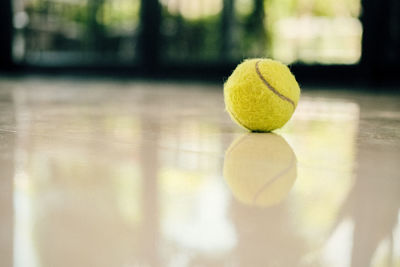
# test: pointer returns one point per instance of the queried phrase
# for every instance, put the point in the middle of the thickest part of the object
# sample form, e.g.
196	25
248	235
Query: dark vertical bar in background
380	51
259	22
373	20
95	28
255	28
149	35
227	20
6	35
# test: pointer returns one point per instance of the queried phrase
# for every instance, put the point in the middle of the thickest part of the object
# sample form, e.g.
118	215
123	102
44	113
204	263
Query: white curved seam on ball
285	98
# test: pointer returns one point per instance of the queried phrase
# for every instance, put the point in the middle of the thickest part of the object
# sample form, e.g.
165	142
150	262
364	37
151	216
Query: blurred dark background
353	42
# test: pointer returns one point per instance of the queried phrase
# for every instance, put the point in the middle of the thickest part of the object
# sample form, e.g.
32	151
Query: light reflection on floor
149	174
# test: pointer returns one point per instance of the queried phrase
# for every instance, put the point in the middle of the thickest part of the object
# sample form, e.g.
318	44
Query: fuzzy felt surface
261	94
260	169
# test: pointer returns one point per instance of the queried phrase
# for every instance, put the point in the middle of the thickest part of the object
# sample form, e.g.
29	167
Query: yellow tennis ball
261	94
260	169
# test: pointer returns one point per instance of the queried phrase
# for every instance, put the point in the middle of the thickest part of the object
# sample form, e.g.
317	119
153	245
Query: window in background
60	32
190	30
314	31
309	31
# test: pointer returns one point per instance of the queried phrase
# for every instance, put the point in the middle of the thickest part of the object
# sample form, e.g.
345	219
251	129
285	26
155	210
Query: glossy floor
131	174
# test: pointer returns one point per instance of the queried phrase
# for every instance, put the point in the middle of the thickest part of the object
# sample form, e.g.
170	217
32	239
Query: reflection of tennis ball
260	169
261	94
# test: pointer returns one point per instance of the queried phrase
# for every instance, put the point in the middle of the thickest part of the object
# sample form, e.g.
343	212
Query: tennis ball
260	169
261	94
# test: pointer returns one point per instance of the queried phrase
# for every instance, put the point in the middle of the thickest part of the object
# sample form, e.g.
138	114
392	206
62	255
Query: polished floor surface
139	174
